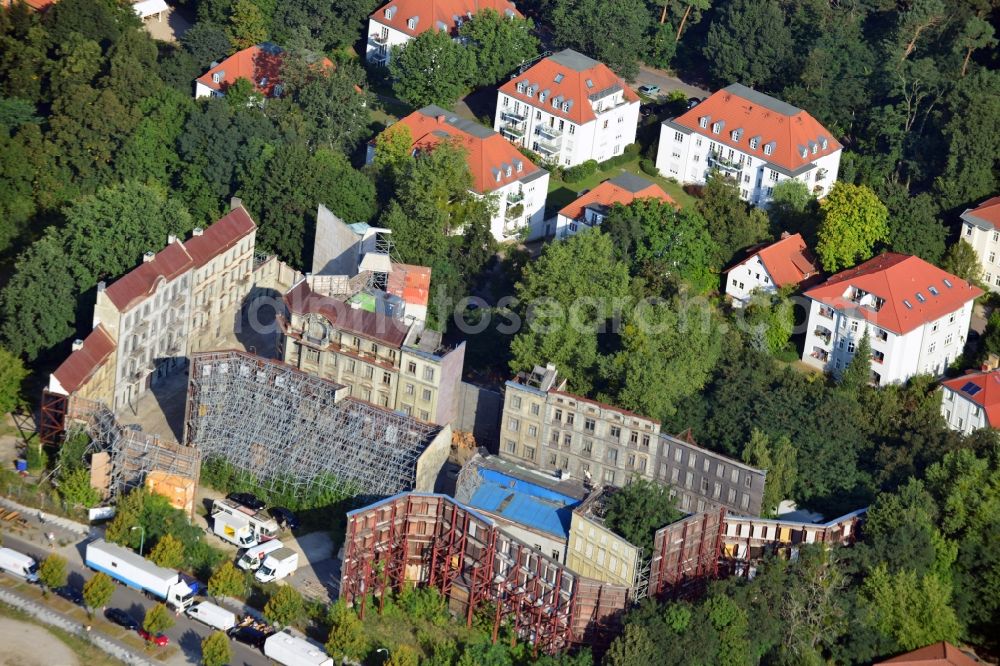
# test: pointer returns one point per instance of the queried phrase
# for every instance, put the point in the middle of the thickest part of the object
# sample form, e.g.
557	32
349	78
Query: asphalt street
186	633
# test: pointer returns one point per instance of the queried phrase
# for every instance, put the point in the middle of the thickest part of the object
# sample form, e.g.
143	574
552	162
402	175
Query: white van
212	615
254	557
282	562
19	564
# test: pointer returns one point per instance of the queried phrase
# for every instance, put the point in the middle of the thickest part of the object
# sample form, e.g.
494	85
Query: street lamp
142	536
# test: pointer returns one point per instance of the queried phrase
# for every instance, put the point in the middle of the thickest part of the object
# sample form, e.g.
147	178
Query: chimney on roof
784	235
77	344
442	118
992	361
235	203
101	286
171	239
197	231
148	256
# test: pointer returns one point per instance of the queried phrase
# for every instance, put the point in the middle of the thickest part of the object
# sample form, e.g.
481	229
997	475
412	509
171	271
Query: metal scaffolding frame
294	431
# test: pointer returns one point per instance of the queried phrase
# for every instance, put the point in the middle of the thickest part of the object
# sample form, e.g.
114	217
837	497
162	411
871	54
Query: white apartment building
981	230
568	108
753	138
396	23
972	401
590	209
767	269
498	168
917	317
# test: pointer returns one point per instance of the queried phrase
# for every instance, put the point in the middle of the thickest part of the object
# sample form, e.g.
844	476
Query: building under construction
433	540
295	432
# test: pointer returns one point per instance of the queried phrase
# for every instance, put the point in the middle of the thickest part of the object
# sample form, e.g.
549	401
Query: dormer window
565	106
508	172
520	87
703	121
716	128
823	143
769	148
814	148
519	166
753	142
736	134
390	12
499	175
804	153
559	77
530	92
541	96
590	83
411	23
216	77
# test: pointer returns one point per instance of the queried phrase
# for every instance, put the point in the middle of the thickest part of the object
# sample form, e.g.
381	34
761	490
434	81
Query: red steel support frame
52	422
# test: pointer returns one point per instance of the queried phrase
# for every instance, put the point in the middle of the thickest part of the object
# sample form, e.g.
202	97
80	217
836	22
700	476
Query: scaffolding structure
296	432
686	555
433	540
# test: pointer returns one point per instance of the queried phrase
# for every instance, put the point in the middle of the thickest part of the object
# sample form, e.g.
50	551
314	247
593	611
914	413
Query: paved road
186	633
658	77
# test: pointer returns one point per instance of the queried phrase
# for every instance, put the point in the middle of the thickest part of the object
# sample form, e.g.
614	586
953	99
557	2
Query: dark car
284	517
249	636
246	499
121	618
158	639
693	102
70	593
645	110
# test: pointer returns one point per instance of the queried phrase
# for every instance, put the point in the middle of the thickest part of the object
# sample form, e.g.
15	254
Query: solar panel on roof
971	388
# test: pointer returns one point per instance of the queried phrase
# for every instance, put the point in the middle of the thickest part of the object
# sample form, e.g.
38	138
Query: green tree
168	552
612	32
769	320
347	637
216	650
431	69
792	208
403	655
97	591
914	227
128	514
52	572
227	581
734	224
962	260
75	488
284	607
779	461
749	41
247	24
639	509
157	620
857	375
207	42
499	44
852	221
912	611
12	373
331	100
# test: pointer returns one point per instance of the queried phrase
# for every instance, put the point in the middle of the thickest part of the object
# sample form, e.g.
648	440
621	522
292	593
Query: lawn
562	193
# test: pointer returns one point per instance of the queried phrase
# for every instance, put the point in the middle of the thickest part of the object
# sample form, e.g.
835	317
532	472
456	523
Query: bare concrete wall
432	460
335	248
479	411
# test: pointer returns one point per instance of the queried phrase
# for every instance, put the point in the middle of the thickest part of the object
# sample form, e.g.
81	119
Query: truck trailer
288	650
282	562
262	526
136	572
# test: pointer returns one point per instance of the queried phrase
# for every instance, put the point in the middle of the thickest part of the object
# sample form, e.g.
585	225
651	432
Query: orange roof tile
226	232
623	189
260	64
788	260
937	654
789	130
981	388
489	154
411	283
37	5
985	215
81	364
438	14
568	77
301	299
914	291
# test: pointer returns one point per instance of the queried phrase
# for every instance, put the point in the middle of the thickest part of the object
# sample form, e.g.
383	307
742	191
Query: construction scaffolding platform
295	432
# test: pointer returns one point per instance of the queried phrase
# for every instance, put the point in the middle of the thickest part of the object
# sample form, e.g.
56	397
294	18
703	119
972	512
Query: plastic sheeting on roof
147	8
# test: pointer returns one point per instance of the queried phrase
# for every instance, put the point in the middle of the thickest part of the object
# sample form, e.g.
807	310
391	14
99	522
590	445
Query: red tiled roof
223	234
988	212
488	152
938	654
898	279
788	261
432	13
37	5
565	75
986	394
764	118
411	283
610	193
603	405
140	282
260	64
302	300
81	365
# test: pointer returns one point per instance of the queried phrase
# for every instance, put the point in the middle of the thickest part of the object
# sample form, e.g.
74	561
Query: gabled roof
302	300
226	232
409	282
142	281
568	77
436	13
980	388
788	261
914	292
938	654
986	215
260	64
753	115
489	154
81	364
622	189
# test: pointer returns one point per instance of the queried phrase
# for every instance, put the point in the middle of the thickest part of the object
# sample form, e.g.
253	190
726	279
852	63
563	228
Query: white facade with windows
981	230
381	39
960	412
748	278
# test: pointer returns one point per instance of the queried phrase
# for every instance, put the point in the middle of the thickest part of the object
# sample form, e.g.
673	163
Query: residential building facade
259	64
597	552
971	401
396	23
981	230
752	138
590	209
549	429
916	315
498	169
89	370
382	360
766	270
569	109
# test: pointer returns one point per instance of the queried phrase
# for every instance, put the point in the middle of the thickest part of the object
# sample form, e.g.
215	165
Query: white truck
137	572
212	615
282	562
254	557
288	650
240	525
19	564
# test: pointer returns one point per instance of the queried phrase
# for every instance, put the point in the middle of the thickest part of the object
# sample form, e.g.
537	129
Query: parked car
649	90
645	110
158	639
121	618
249	636
693	102
247	499
70	593
284	517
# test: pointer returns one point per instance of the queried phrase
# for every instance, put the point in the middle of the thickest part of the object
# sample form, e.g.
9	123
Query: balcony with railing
513	130
726	166
379	38
826	312
515	197
820	354
549	133
513	117
823	334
